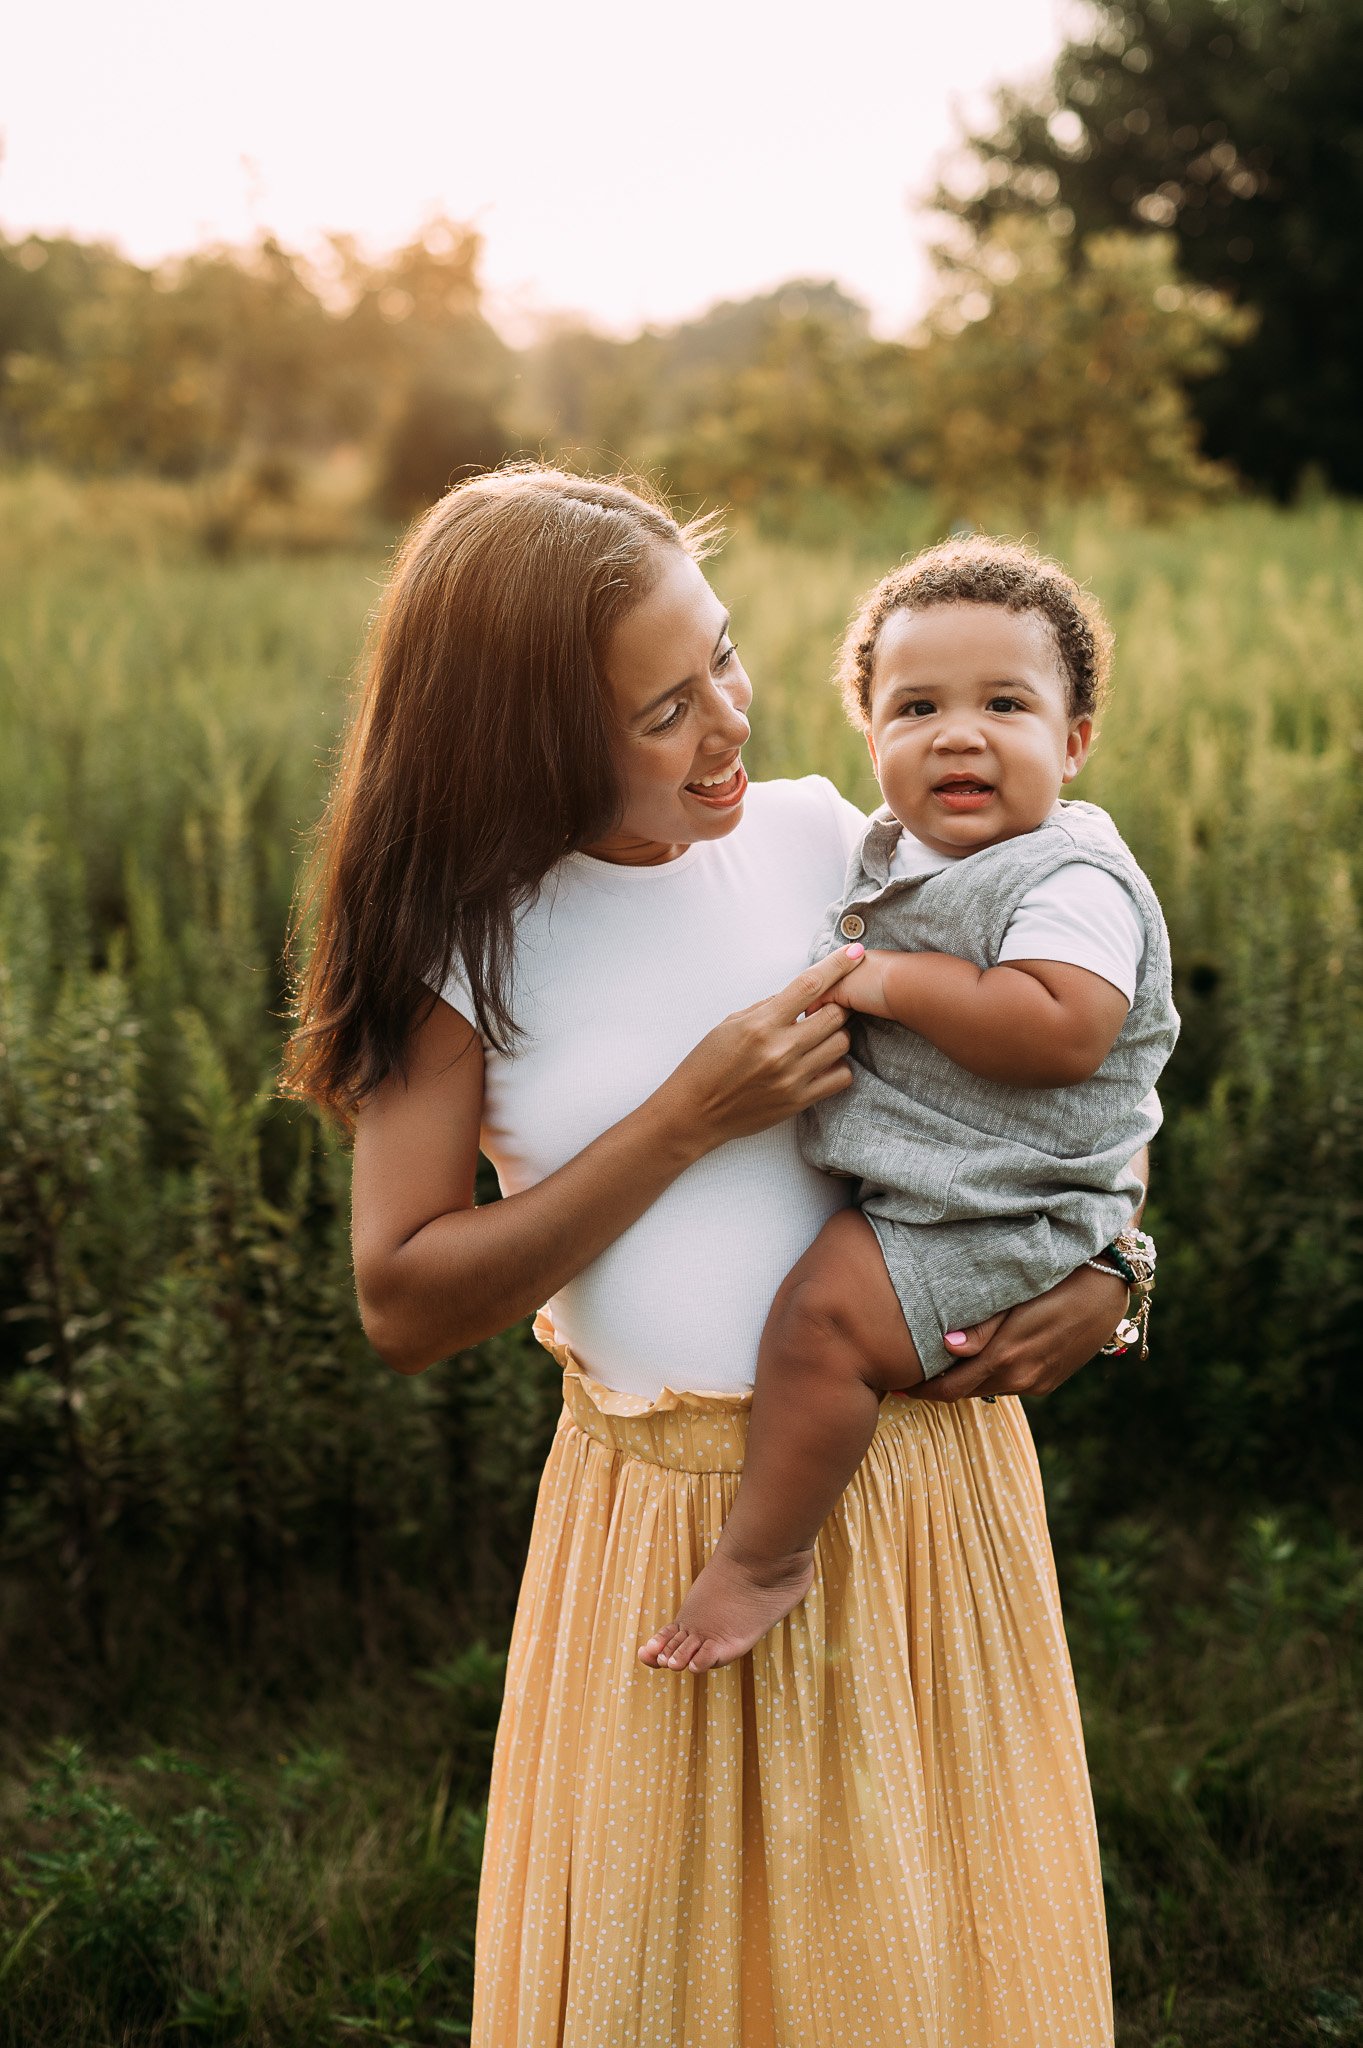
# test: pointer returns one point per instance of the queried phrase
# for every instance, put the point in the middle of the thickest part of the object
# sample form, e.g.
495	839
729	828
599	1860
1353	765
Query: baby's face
971	733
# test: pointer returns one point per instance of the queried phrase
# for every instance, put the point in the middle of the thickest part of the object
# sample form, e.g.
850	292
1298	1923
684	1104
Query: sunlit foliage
253	360
270	382
1235	127
1038	386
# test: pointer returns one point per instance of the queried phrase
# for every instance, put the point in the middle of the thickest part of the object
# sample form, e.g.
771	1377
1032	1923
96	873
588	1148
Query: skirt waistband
685	1430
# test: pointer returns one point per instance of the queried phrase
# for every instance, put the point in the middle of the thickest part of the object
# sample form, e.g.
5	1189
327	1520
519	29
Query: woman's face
680	694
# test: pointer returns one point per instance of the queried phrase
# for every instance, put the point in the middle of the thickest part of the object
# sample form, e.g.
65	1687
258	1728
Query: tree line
1146	287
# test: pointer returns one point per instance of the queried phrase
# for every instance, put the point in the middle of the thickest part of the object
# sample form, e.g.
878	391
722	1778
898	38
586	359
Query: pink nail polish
855	952
954	1337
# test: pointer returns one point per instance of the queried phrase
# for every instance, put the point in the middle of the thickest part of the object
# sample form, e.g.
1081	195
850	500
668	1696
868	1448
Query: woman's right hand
765	1063
437	1274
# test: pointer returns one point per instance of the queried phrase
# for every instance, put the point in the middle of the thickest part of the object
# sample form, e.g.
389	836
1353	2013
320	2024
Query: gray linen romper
982	1194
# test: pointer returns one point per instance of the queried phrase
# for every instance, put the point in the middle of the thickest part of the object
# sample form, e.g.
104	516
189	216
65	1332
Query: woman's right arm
435	1274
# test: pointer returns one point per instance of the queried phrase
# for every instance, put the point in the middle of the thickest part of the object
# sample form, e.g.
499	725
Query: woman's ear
1077	743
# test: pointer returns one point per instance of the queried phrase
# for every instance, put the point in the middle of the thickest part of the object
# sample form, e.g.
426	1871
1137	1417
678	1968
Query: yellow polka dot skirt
873	1832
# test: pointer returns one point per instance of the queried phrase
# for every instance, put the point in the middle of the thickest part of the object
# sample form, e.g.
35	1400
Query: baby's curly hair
980	570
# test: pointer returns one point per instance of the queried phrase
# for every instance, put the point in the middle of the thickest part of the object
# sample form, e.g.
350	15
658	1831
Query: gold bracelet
1132	1252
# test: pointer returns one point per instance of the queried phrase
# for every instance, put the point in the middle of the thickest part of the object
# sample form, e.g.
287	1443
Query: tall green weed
194	1431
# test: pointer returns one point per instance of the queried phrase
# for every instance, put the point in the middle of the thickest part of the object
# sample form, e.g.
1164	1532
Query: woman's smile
720	791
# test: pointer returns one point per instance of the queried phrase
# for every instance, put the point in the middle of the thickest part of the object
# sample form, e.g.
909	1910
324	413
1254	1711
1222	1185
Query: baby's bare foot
729	1607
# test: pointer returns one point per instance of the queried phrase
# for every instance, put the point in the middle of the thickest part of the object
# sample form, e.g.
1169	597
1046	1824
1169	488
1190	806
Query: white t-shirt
619	972
1080	916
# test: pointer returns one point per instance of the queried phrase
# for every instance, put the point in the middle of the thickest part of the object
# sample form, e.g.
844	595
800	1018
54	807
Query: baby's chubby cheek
901	787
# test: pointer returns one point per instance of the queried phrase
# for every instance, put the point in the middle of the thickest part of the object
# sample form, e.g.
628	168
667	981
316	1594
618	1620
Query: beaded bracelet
1132	1253
1132	1260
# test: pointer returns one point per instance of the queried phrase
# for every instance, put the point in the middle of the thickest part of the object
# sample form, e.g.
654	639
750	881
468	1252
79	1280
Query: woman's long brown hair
480	754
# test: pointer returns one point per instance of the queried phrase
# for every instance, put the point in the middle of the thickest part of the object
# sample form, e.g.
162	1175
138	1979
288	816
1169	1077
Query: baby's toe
655	1650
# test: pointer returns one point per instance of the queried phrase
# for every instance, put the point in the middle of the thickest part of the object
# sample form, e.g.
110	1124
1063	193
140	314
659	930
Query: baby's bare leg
835	1342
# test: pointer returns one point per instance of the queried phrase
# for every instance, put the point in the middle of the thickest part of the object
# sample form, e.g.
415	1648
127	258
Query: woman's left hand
1039	1343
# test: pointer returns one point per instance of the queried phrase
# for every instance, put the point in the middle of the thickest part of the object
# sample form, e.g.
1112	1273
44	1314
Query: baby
1013	1013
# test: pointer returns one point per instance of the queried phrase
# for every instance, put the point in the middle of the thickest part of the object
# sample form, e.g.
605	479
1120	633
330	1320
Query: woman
877	1828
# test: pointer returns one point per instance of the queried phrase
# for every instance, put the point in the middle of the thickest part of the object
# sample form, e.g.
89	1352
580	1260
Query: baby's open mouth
963	792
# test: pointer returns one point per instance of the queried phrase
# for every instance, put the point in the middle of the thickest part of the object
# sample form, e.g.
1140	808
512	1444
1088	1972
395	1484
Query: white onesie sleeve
1080	916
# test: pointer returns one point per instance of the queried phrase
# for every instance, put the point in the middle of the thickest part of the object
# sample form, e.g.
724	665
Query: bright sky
623	159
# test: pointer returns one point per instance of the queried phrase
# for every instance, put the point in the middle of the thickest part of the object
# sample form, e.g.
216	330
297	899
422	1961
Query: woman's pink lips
724	795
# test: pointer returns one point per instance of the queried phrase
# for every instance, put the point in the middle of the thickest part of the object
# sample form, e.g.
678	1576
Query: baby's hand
864	988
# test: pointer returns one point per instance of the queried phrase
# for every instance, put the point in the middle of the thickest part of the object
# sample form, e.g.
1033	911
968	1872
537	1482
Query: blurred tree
40	280
591	393
1027	386
821	407
1036	386
764	398
250	359
734	334
177	371
415	337
1237	127
440	433
641	398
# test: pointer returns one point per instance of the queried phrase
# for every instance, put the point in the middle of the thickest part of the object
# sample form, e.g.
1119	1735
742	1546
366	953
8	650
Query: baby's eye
1005	704
918	707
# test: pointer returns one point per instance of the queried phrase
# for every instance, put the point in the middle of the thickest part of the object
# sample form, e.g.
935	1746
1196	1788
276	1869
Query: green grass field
247	1573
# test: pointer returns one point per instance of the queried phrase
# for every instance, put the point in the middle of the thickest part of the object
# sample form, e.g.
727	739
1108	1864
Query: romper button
852	926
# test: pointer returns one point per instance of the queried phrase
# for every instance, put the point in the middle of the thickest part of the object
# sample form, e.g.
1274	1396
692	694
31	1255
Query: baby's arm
1033	1023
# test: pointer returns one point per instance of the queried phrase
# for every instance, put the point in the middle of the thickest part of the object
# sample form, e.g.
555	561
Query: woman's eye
725	656
672	718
